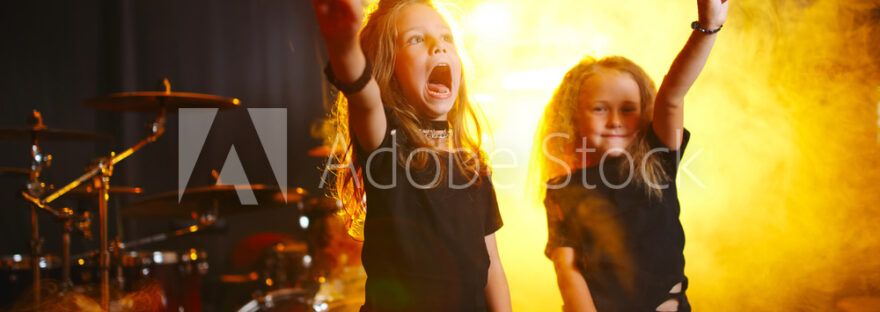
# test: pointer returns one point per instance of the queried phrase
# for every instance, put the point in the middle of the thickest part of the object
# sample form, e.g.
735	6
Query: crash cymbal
203	199
43	133
147	101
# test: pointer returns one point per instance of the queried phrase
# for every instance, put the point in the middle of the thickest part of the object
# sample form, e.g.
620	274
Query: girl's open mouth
440	82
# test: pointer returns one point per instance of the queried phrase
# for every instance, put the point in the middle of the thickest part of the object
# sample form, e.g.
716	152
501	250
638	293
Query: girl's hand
339	21
713	13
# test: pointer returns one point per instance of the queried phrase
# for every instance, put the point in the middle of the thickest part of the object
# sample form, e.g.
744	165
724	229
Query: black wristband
353	87
696	26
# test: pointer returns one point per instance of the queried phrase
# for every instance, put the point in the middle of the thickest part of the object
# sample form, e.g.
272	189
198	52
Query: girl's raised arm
669	105
340	21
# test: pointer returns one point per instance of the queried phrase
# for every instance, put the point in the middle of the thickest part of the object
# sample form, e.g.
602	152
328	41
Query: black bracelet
353	87
696	26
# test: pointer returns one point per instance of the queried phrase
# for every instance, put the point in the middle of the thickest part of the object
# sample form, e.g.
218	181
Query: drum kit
292	274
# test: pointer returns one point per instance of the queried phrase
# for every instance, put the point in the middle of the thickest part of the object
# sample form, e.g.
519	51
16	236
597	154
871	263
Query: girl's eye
447	38
598	109
415	40
629	109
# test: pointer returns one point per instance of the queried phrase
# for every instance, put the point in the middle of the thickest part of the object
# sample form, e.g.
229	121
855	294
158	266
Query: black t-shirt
628	245
424	247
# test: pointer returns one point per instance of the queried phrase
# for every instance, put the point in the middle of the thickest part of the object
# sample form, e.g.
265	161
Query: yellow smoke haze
780	198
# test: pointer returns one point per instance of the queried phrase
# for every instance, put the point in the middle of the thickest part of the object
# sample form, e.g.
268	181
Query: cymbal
325	204
89	192
324	151
147	101
202	199
14	172
41	132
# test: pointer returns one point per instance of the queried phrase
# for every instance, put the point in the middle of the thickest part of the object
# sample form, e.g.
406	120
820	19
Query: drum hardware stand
69	219
81	223
101	174
36	188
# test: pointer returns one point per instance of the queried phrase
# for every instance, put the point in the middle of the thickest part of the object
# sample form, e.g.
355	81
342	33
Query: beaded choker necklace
437	129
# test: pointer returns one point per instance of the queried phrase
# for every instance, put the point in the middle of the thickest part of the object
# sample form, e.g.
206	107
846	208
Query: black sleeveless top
628	246
424	247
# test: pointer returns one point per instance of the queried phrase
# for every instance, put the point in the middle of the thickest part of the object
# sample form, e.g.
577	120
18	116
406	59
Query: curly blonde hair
555	157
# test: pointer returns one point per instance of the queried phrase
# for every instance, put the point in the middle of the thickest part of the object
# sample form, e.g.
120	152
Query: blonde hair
561	117
377	39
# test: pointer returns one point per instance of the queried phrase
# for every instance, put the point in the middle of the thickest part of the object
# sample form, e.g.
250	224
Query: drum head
282	300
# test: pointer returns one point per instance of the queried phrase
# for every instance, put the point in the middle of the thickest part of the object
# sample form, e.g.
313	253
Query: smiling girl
417	189
608	149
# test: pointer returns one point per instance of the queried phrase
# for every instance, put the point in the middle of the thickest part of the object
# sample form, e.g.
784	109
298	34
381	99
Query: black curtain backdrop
267	53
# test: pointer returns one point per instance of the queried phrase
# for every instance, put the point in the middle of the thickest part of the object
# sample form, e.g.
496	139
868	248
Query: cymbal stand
36	188
101	175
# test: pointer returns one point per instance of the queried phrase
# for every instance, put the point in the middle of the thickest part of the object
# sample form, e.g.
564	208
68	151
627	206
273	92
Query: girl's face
609	110
427	67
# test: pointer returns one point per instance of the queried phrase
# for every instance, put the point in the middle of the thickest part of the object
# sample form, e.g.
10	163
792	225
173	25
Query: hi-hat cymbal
147	101
41	133
196	201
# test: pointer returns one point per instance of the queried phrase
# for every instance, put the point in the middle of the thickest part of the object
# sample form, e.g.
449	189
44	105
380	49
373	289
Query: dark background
267	53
